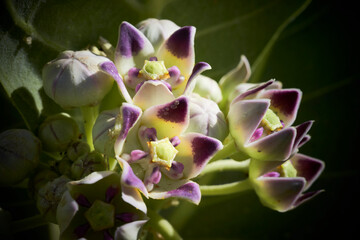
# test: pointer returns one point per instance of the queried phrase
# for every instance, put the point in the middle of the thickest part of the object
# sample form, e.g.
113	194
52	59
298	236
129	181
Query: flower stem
162	226
27	223
228	150
226	165
223	189
89	116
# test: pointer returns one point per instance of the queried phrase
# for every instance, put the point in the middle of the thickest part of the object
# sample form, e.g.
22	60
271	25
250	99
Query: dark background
318	53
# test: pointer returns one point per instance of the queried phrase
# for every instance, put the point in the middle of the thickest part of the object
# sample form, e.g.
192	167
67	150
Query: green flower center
100	215
271	122
287	169
162	152
154	70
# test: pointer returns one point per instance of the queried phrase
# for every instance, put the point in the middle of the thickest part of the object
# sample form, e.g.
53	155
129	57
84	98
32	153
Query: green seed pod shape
57	132
19	155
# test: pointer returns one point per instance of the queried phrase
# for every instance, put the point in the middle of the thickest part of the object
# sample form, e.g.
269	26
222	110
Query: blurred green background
311	45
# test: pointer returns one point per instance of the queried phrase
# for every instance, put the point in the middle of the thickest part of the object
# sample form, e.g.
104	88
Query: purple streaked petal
175	141
244	118
130	230
83	201
110	69
107	235
151	93
137	155
169	119
198	69
81	230
274	147
129	179
259	168
306	197
175	172
111	192
127	217
195	151
279	193
130	114
272	174
175	76
189	191
132	78
307	167
304	140
132	48
301	131
285	103
178	50
253	91
257	134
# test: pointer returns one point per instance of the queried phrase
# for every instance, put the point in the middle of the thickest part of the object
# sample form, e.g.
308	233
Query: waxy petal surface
129	231
169	119
178	50
132	48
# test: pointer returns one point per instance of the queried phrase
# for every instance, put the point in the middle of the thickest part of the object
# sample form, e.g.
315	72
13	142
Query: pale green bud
208	88
93	162
77	150
57	132
75	79
19	155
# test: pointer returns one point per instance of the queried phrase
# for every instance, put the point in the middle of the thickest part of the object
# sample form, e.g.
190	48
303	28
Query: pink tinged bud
74	79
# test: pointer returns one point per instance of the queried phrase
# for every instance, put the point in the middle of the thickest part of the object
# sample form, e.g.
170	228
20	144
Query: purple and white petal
259	168
279	193
66	211
175	77
151	93
306	197
307	167
129	231
244	118
277	146
132	78
110	69
255	90
175	172
178	50
152	176
197	70
132	48
195	151
285	103
169	119
301	131
130	114
188	190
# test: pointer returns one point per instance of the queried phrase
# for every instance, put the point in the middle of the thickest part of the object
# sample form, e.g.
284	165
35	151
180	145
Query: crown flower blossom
282	186
261	118
94	208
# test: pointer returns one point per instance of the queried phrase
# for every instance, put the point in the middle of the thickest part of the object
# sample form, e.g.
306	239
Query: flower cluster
100	173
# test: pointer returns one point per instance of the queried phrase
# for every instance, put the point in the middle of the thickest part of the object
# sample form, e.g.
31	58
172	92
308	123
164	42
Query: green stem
228	150
27	223
226	165
89	116
162	226
223	189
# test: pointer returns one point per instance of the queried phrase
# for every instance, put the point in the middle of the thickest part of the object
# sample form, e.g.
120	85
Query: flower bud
57	132
77	150
105	132
40	179
157	31
19	155
74	79
91	163
208	88
49	197
206	118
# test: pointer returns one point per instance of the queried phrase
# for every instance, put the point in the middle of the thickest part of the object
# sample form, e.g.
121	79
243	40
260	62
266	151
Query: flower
156	154
281	186
261	118
74	79
99	207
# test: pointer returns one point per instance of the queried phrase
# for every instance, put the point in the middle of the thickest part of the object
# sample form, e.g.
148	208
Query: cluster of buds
172	121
